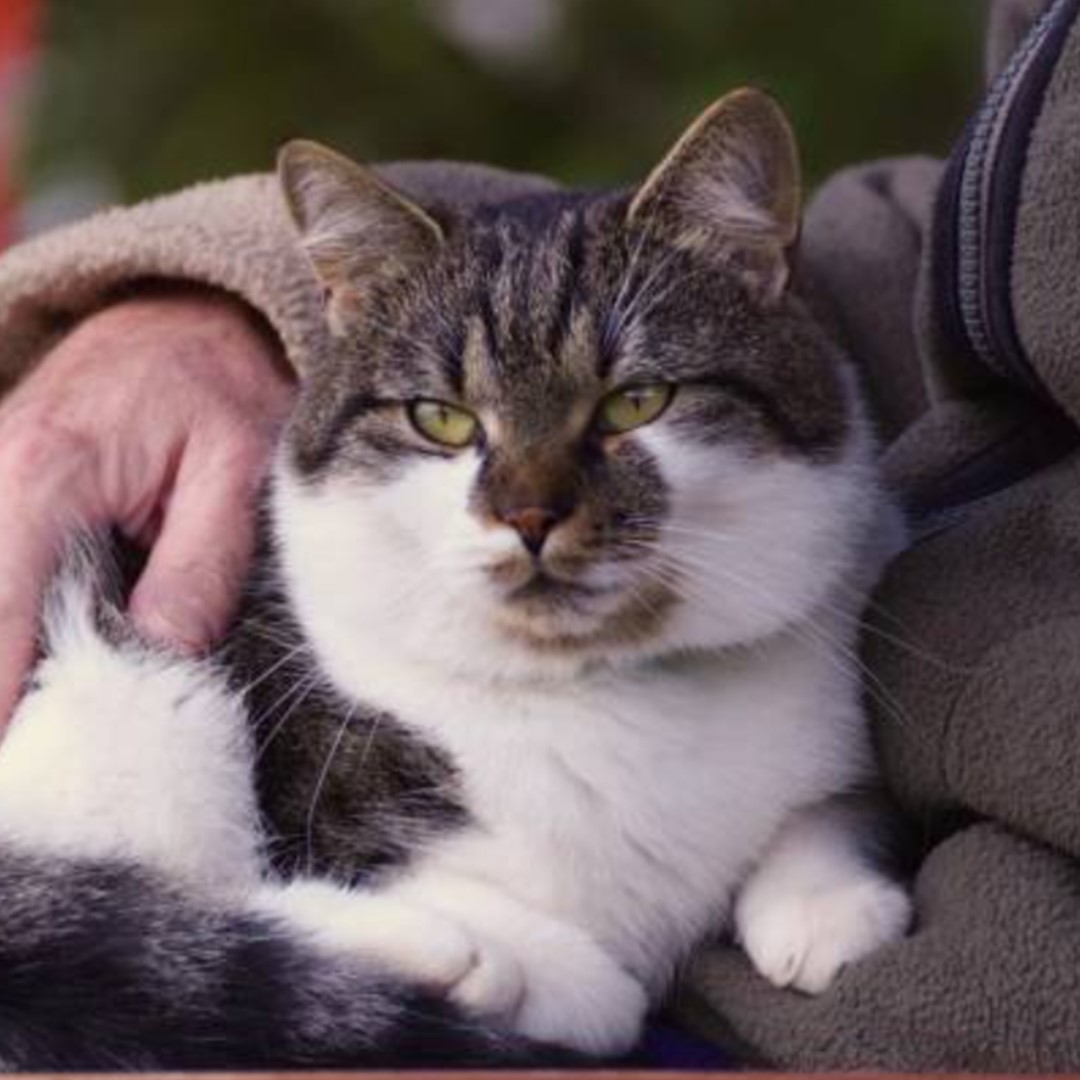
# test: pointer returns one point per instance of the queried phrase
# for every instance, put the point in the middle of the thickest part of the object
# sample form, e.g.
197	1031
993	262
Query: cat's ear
355	228
731	185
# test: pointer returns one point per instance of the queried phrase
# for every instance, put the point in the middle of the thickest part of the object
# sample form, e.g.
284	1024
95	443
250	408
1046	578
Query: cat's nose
533	525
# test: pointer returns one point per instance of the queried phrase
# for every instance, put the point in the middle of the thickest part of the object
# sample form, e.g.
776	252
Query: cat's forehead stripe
533	282
567	289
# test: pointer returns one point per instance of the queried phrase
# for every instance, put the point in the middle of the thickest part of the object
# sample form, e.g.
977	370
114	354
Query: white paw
577	996
496	958
801	939
494	985
422	947
571	991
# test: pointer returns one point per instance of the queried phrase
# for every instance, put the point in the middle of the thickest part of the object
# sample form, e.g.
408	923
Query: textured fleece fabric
974	635
1046	298
860	253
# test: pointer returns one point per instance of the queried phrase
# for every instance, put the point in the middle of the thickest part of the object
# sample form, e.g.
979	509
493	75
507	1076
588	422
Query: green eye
442	423
633	407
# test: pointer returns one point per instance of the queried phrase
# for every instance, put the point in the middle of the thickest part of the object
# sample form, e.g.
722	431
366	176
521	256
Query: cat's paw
421	947
802	938
579	997
573	992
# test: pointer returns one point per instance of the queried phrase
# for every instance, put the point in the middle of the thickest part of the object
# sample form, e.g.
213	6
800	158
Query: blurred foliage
160	93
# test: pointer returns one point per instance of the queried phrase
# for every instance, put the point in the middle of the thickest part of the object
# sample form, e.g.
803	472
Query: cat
544	676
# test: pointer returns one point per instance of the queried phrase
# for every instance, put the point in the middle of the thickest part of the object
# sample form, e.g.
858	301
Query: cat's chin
551	617
547	599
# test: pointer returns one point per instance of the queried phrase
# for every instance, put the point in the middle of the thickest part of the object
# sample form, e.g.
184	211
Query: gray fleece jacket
975	650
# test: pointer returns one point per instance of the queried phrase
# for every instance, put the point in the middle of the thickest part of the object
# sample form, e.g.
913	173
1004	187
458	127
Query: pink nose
533	525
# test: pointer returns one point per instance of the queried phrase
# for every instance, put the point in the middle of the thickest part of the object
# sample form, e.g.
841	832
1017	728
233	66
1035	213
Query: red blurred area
19	25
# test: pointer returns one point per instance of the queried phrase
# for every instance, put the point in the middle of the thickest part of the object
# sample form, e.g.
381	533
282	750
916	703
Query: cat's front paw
422	947
578	996
575	993
802	938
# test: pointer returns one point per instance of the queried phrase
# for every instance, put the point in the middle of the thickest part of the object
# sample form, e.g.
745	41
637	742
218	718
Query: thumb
191	586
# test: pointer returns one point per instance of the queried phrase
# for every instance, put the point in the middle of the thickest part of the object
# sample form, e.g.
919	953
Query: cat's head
569	428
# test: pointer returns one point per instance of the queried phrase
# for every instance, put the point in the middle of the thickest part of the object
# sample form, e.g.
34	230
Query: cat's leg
119	752
488	953
574	992
412	941
817	900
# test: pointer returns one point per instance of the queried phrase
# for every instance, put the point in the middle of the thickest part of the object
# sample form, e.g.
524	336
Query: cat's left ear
730	185
355	228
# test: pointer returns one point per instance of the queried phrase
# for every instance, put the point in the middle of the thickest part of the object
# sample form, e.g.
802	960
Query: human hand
157	416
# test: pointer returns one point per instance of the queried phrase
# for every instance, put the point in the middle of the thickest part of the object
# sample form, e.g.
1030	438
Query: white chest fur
631	803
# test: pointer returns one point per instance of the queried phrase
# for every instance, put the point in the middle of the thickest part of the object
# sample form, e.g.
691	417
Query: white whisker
320	783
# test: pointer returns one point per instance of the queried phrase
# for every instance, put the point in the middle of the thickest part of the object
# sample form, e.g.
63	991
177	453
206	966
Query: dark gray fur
323	821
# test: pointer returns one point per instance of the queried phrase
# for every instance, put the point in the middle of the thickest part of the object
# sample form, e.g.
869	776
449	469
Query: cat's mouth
547	590
544	601
547	608
558	615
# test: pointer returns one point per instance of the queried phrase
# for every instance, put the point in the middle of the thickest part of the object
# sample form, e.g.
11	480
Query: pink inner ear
353	226
732	180
729	190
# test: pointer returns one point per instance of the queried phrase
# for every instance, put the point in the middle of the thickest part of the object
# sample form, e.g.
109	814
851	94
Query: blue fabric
665	1047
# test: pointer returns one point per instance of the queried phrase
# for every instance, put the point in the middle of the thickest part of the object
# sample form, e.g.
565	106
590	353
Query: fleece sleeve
233	235
860	253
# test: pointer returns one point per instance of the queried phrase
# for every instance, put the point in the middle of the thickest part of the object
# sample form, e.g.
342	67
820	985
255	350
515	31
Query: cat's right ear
355	228
730	186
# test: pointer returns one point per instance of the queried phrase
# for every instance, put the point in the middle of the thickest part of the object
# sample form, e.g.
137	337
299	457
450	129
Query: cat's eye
442	423
633	407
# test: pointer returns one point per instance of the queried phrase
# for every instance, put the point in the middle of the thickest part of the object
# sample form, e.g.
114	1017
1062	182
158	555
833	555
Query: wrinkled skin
157	416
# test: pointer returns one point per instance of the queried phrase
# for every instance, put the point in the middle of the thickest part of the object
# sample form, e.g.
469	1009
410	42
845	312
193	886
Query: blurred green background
136	98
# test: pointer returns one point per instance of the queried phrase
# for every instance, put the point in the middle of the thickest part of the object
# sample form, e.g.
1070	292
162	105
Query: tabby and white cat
546	674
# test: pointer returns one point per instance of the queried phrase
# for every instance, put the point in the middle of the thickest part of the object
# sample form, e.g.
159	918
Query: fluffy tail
106	967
